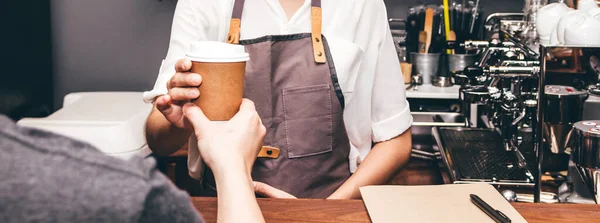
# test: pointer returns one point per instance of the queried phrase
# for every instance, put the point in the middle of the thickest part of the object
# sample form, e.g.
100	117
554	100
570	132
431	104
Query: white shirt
360	42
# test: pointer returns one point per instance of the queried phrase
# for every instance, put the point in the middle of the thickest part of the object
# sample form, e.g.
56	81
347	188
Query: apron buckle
269	152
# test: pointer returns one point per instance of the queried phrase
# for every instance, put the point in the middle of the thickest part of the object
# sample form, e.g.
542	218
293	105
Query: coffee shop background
51	48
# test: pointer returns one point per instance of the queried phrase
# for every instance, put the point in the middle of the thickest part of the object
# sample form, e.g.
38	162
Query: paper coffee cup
222	67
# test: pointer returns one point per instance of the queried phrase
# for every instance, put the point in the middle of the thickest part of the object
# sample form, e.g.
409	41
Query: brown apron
293	83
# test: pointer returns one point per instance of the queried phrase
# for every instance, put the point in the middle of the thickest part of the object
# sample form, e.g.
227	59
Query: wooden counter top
302	210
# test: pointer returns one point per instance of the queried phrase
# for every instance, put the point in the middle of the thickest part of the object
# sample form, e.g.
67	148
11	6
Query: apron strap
236	21
316	27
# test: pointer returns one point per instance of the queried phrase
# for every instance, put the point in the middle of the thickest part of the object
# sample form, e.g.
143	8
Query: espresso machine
498	102
527	102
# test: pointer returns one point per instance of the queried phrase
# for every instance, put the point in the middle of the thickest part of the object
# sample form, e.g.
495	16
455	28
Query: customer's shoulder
38	144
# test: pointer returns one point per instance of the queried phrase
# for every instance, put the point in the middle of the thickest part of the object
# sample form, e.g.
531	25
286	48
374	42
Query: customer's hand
231	144
183	87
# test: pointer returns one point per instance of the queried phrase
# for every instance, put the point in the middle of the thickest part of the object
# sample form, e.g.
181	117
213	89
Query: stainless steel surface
509	195
513	70
471	98
494	22
504	172
586	143
504	16
526	49
417	79
537	133
426	65
437	119
546	197
564	107
520	63
414	84
443	82
591	108
399	34
556	135
475	94
575	190
422	134
458	62
591	177
560	64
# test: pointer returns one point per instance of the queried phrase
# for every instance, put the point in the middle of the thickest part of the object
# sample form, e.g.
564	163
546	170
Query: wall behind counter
108	45
116	45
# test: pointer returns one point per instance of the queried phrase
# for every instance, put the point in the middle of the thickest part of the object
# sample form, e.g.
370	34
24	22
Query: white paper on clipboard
437	203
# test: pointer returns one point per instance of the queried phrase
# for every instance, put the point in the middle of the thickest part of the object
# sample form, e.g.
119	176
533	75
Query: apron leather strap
316	27
236	21
317	20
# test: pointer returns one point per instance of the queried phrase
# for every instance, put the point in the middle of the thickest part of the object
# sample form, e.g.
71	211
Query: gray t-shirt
45	177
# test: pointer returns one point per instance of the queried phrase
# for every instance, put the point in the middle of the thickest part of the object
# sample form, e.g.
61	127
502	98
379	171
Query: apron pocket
308	120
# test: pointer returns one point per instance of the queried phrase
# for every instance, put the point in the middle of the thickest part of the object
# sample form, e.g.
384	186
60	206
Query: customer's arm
236	199
230	149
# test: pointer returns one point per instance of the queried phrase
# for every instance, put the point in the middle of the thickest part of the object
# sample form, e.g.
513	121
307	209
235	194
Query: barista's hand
271	192
230	145
183	87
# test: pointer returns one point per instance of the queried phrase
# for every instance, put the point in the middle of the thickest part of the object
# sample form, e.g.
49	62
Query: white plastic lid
212	51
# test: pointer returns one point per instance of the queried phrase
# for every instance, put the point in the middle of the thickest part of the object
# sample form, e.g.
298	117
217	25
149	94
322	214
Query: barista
333	106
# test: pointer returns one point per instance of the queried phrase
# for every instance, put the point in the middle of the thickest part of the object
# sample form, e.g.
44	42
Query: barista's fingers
186	79
184	94
163	103
196	117
271	192
165	106
183	65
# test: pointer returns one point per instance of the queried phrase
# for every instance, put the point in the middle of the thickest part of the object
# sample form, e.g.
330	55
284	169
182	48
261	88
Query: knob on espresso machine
472	72
468	76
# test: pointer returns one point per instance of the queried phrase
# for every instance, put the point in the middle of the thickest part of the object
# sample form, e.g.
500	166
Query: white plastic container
113	122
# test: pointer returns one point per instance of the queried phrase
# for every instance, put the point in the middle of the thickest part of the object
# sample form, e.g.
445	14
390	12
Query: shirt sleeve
390	109
166	203
185	29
